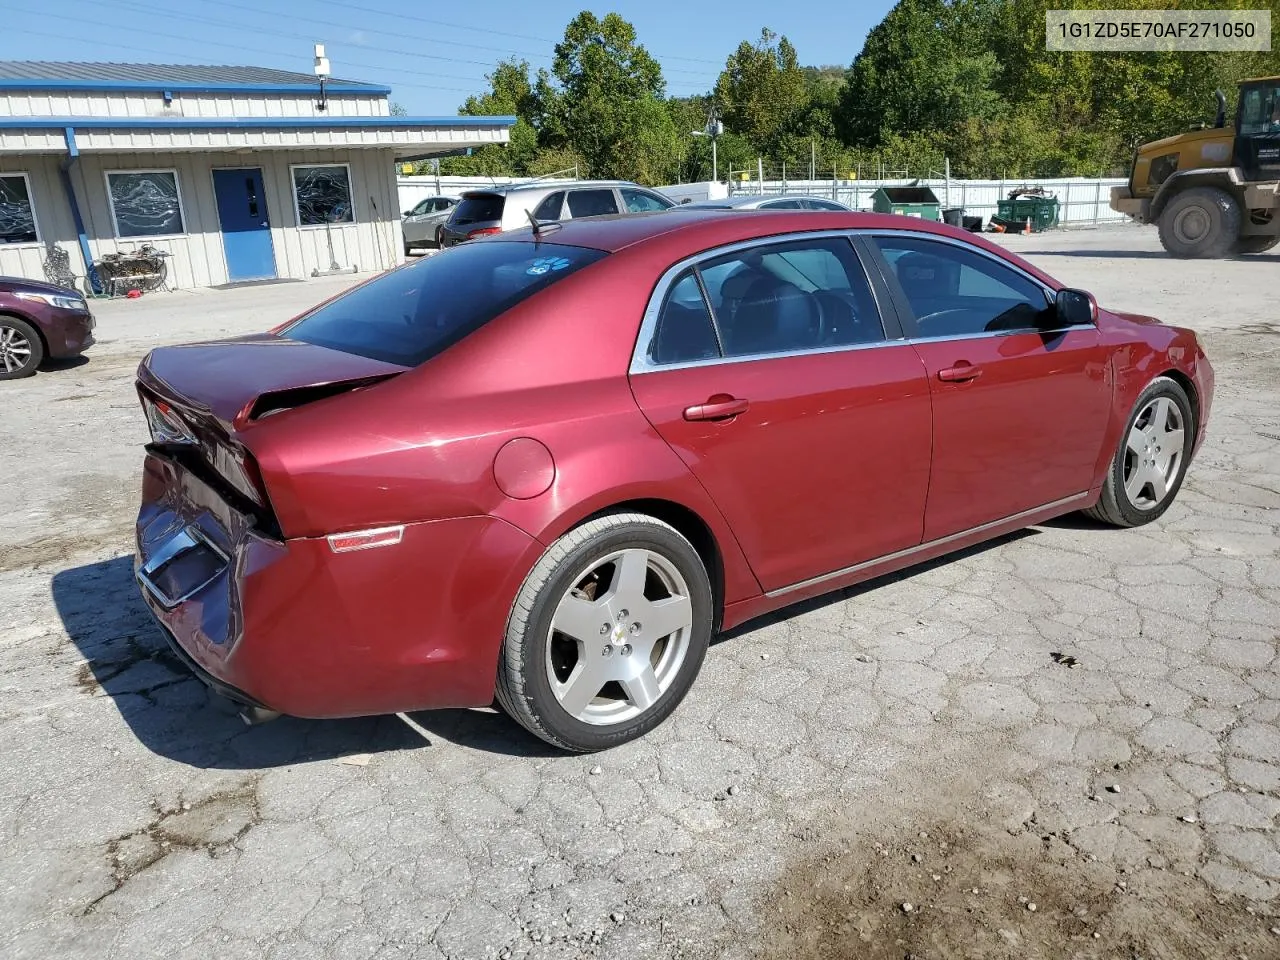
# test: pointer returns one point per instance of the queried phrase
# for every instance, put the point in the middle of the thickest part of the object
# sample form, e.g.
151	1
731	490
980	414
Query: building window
17	215
146	203
322	195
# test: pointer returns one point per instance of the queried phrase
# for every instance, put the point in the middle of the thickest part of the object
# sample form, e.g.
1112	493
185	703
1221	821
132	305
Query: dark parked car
386	505
40	321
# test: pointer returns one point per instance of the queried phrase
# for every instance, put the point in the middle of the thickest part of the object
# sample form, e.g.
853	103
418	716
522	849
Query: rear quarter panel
422	446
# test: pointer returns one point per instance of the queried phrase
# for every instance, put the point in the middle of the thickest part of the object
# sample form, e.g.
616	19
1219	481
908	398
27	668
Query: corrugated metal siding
372	243
53	217
56	103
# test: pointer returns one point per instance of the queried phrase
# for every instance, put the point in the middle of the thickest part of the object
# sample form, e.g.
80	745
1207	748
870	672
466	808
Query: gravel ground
901	770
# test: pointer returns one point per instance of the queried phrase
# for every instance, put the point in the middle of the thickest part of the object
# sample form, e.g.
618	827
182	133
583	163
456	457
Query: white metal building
240	173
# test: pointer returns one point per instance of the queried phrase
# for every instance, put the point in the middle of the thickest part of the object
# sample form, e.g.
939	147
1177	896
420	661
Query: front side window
411	314
1260	110
17	215
958	292
592	203
781	205
323	195
146	203
641	201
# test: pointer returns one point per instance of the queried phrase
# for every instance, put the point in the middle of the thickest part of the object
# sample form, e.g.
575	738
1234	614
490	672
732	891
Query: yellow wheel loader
1213	192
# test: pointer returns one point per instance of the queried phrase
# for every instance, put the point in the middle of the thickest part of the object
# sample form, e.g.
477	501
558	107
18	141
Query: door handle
716	409
962	372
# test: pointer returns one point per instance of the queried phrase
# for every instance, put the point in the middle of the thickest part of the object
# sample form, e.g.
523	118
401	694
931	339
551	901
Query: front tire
1200	223
1151	460
607	634
21	349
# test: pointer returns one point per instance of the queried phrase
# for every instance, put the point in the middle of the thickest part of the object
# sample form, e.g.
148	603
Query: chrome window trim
640	362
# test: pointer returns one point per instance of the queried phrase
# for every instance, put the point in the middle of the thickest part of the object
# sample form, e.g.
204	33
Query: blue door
246	231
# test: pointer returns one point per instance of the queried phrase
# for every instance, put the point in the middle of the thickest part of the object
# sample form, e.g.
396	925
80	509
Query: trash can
908	202
1042	211
953	216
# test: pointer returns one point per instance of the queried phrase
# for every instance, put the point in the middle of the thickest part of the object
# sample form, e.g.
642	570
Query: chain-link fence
1082	201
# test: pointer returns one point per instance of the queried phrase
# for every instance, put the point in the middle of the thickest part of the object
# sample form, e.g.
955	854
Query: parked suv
483	212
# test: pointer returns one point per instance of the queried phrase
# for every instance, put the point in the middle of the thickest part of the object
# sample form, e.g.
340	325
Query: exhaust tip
252	716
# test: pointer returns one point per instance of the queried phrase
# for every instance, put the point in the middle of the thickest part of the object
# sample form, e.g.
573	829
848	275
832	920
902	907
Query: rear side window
685	331
549	209
484	206
592	203
411	314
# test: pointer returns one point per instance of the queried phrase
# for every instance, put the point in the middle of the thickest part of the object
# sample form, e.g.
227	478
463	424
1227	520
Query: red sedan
544	470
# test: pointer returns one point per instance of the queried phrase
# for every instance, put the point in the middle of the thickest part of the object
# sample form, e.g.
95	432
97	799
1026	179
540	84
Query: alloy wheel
15	349
1153	453
619	636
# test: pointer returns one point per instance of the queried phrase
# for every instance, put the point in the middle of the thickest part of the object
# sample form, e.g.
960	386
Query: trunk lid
235	382
202	401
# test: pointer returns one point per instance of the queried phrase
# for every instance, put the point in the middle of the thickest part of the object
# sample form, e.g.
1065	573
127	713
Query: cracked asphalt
1065	743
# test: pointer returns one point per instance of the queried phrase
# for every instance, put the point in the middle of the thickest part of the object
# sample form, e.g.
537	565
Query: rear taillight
483	232
240	470
166	425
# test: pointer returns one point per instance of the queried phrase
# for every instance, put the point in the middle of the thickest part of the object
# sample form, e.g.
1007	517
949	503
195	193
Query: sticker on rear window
546	265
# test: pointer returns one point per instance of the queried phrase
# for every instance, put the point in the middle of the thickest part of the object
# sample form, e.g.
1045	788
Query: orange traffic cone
1026	231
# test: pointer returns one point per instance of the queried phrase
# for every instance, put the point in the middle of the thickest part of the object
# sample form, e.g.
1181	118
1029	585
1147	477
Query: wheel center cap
618	634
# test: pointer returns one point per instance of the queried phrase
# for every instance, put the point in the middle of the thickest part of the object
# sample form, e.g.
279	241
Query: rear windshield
486	206
411	314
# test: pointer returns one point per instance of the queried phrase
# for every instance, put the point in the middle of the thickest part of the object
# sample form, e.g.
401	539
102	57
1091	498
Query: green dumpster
907	202
1016	211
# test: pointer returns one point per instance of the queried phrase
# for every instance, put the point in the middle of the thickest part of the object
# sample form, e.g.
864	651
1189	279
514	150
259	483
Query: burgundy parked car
545	471
40	321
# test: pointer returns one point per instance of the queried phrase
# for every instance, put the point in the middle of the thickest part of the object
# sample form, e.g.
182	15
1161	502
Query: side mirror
407	213
1075	308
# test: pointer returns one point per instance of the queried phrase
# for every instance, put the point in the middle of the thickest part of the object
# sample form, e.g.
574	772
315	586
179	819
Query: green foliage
761	89
968	81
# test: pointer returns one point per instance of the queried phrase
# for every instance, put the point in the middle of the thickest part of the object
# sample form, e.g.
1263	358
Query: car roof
548	185
688	230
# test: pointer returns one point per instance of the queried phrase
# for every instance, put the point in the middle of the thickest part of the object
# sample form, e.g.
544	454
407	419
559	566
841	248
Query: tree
607	104
510	94
762	89
923	69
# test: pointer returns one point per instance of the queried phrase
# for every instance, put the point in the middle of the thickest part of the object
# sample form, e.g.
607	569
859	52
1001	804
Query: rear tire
607	634
21	349
1151	458
1200	223
1247	245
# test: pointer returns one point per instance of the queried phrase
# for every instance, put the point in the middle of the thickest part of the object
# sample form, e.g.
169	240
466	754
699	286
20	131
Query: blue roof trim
245	123
335	87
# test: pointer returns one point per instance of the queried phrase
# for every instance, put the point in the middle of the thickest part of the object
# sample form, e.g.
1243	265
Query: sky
431	55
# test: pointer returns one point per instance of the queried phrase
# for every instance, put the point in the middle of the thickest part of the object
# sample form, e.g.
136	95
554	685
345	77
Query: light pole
713	129
715	170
